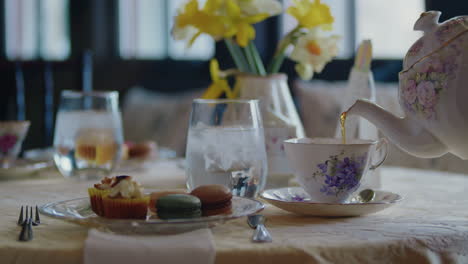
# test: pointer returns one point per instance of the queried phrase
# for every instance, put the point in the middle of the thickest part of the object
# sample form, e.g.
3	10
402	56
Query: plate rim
101	220
27	165
398	199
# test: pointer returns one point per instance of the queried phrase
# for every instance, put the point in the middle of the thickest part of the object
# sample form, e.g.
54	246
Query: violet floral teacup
329	171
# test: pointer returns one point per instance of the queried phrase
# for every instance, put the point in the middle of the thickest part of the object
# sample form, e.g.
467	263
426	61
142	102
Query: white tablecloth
429	226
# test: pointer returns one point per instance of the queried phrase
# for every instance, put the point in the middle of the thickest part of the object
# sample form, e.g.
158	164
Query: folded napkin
191	247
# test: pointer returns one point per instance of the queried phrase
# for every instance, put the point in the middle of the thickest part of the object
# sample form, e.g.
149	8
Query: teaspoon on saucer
364	196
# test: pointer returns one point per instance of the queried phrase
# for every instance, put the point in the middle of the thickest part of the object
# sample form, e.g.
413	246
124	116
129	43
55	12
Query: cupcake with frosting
121	198
97	193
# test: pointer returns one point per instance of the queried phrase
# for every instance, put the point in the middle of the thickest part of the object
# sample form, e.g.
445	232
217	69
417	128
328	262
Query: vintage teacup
12	134
330	171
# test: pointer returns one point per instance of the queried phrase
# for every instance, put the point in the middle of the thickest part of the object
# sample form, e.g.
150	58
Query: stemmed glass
88	134
226	146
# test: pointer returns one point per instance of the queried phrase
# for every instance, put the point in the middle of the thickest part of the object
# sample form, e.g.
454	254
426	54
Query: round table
429	226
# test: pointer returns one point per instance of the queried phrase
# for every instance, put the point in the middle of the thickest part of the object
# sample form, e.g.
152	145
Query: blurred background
50	45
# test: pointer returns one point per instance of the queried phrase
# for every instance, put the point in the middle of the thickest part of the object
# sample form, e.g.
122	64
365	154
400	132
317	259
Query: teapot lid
435	35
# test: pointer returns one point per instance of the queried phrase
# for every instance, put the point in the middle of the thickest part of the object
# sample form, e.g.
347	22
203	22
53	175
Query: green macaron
173	206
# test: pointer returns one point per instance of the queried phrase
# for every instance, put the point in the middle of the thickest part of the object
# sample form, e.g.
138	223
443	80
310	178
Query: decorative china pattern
79	211
436	35
417	47
274	138
423	85
330	171
432	92
431	62
12	134
449	28
7	142
296	200
340	173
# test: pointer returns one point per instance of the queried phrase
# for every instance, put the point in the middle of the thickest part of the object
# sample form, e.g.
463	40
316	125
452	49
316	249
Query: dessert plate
79	211
296	200
23	169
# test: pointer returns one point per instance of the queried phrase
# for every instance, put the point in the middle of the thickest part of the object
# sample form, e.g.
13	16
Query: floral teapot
433	92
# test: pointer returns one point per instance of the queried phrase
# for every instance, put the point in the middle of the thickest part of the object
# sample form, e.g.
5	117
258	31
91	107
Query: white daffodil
314	51
183	33
304	70
254	7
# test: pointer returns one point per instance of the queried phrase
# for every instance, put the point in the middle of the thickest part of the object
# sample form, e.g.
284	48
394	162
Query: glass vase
280	120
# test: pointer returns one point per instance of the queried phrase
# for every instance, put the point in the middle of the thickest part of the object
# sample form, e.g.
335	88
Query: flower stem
279	55
250	60
237	55
276	63
258	61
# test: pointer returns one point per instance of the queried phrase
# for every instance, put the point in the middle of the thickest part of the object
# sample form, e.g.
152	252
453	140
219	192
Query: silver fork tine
31	216
29	225
26	233
37	219
20	219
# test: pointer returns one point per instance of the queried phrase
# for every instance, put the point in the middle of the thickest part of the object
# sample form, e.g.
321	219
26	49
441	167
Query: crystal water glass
226	145
88	134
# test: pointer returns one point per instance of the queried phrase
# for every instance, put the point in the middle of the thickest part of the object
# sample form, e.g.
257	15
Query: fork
27	223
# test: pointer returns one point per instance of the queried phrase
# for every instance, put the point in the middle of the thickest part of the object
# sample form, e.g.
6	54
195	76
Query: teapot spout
408	135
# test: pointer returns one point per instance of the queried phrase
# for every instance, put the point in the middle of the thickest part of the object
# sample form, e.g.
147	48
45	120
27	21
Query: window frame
88	19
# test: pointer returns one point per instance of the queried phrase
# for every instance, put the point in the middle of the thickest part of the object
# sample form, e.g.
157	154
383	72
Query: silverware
26	222
261	234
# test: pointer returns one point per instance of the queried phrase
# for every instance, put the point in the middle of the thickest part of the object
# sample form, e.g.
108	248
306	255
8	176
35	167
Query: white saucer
296	200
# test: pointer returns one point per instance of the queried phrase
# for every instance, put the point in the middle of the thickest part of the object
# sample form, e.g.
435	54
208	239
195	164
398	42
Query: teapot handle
382	145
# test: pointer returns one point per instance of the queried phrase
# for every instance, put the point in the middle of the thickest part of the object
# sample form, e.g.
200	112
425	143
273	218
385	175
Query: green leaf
237	55
276	63
258	61
250	60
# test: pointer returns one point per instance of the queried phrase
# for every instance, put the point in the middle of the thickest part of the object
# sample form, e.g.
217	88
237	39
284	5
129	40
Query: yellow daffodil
213	6
313	52
191	21
223	19
233	20
219	85
240	25
311	14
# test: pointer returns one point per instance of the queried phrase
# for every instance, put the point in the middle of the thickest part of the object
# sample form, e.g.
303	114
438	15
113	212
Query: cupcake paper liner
95	196
122	208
